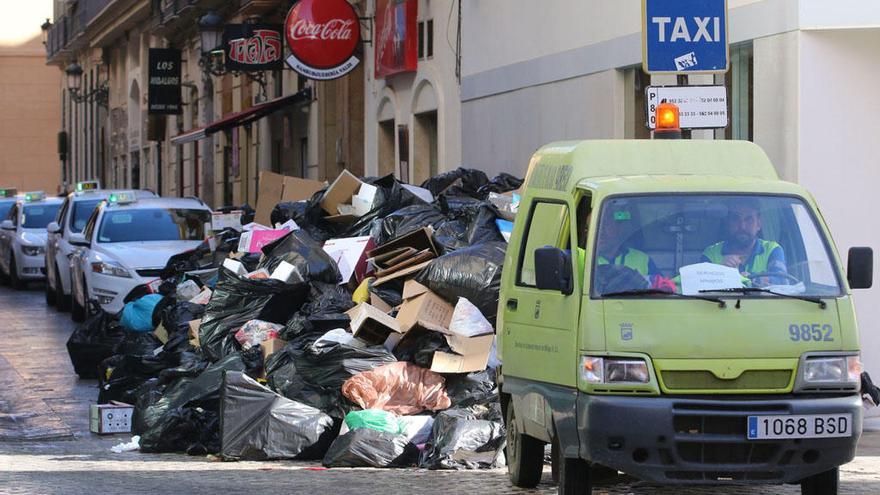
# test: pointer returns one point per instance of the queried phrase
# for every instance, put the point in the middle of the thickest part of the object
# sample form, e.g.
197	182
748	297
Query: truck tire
824	483
525	455
573	474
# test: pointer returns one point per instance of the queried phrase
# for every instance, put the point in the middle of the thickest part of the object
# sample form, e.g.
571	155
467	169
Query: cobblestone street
46	448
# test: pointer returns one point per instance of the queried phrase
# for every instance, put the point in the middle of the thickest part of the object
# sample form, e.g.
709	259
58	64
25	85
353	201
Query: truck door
540	326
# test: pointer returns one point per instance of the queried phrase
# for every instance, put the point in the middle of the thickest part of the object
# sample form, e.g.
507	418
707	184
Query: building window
426	39
739	81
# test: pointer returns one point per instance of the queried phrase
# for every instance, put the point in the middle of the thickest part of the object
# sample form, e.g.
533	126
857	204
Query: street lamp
45	28
74	83
210	31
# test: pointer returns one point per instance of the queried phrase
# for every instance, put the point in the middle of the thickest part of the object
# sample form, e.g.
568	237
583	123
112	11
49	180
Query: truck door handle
512	304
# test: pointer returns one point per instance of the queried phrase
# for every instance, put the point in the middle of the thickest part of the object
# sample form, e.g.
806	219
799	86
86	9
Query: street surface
46	447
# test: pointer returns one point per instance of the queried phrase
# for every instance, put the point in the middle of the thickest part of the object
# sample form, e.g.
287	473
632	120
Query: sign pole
682	80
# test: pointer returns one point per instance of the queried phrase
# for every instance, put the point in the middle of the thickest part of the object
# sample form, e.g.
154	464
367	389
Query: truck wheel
525	455
50	291
821	484
573	473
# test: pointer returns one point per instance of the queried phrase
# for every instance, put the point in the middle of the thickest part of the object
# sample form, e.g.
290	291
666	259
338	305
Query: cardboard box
380	304
114	417
339	193
373	326
350	255
406	272
287	273
253	241
235	267
275	188
418	240
471	354
194	332
271	346
423	308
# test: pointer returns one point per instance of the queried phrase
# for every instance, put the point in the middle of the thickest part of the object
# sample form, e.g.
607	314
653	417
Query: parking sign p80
684	36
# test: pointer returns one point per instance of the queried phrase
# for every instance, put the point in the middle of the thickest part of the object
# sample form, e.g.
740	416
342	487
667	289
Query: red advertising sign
250	48
396	37
323	36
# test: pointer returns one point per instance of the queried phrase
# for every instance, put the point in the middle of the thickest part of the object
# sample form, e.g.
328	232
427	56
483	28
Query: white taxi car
23	238
126	243
71	220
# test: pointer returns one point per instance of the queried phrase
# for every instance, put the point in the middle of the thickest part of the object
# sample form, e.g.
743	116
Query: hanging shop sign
163	90
323	36
397	43
253	47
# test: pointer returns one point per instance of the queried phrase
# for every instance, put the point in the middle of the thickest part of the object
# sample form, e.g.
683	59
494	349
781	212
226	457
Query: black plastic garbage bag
258	424
176	317
472	389
305	254
236	301
93	342
473	273
366	447
324	311
500	184
409	219
390	197
461	440
199	258
469	222
313	372
420	349
471	180
172	423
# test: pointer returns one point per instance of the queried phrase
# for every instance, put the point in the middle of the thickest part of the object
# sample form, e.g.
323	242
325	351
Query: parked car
23	238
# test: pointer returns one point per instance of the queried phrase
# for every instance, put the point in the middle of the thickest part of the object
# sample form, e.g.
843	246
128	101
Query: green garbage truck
672	310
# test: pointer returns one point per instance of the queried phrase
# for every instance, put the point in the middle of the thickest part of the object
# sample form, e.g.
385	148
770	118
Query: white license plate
807	426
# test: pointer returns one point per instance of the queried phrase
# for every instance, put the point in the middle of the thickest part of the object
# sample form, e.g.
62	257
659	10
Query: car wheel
62	302
14	280
824	483
77	311
50	290
525	454
573	473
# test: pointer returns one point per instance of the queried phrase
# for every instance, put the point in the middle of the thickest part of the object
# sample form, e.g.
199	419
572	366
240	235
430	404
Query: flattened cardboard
419	240
380	304
372	325
194	332
271	346
269	195
412	289
473	354
296	189
340	193
419	257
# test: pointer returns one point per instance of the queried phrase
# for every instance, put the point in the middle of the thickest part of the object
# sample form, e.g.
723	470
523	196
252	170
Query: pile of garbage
355	326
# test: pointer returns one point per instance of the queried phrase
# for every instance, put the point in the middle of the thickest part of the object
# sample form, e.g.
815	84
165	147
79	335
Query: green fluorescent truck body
709	368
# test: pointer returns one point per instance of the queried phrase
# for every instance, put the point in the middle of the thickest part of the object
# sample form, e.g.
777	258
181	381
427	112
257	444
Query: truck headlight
33	250
110	268
833	369
614	370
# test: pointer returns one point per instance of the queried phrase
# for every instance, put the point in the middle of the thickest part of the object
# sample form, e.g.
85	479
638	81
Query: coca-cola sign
323	36
253	47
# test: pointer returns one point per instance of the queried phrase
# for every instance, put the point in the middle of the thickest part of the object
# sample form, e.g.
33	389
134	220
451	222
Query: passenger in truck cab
744	250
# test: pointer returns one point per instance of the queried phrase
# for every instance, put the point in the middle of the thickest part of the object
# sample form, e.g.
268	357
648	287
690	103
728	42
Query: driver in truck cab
744	250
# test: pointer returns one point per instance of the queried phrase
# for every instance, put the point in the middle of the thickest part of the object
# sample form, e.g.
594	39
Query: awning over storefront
244	117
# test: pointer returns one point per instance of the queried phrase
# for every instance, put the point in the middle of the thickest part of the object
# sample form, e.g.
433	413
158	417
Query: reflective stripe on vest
758	264
633	258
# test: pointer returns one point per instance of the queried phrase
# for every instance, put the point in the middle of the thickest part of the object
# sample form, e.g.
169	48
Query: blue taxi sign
684	36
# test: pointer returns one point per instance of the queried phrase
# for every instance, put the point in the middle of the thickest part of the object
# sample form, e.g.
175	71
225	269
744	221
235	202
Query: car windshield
82	210
154	224
38	216
697	244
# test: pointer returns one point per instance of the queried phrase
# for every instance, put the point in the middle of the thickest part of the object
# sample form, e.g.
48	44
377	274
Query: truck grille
705	380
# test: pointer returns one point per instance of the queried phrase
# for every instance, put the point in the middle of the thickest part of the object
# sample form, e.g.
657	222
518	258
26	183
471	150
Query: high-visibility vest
759	264
632	258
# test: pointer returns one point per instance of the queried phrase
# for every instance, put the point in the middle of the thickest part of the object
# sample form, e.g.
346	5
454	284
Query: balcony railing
67	27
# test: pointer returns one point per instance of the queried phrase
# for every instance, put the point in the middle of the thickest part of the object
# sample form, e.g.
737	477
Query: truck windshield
700	243
159	224
39	216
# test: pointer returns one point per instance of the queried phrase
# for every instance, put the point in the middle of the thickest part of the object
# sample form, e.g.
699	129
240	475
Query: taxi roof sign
9	192
89	185
122	198
34	196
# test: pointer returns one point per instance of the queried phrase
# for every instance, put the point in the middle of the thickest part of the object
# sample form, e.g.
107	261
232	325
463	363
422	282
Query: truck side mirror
860	267
553	270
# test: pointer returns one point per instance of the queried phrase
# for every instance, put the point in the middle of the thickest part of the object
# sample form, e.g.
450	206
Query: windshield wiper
643	292
750	290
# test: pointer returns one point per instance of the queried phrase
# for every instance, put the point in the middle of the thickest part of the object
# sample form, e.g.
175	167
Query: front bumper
111	291
697	441
31	267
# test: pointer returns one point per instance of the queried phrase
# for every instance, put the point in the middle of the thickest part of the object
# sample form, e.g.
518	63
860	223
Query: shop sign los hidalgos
323	36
